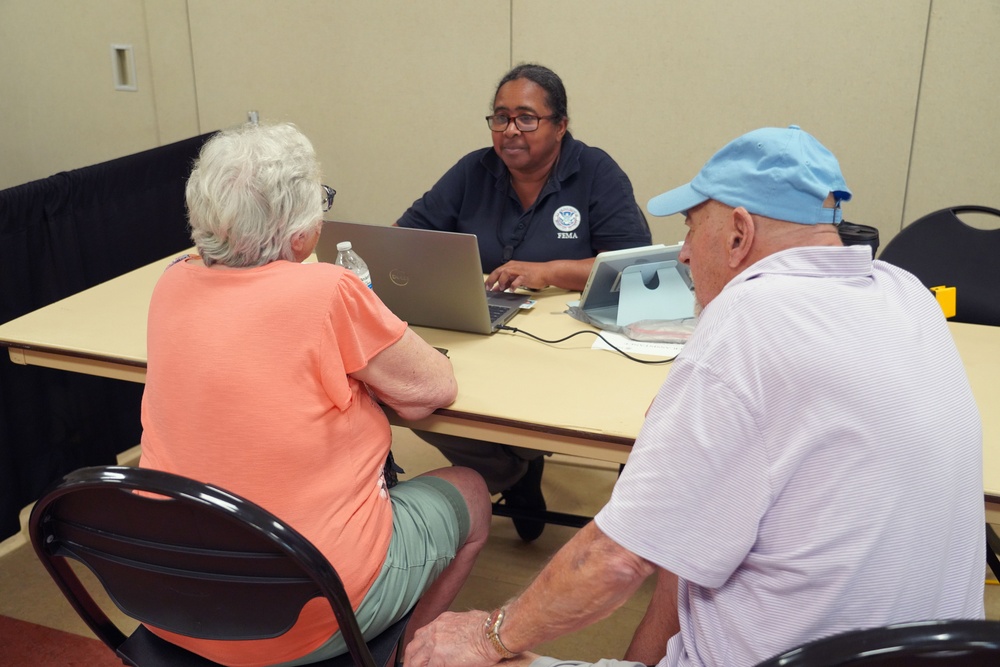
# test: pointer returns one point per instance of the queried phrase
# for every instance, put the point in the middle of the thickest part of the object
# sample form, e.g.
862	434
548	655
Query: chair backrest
956	643
162	557
940	249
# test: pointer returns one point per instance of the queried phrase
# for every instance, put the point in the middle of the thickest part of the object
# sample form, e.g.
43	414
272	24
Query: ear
563	124
740	238
299	242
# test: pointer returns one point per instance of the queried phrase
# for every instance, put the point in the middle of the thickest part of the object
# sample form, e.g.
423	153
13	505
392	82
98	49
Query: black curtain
58	236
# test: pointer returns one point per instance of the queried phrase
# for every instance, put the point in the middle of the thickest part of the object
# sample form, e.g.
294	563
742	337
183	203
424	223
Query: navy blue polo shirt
586	207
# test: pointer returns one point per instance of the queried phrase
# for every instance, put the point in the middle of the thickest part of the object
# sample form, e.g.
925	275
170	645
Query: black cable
587	331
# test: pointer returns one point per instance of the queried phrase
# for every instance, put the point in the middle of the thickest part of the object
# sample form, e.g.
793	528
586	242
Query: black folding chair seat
957	643
192	559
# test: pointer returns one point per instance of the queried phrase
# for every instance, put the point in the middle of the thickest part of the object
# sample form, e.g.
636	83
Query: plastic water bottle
347	258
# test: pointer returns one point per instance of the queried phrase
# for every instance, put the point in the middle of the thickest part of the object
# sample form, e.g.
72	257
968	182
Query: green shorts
430	521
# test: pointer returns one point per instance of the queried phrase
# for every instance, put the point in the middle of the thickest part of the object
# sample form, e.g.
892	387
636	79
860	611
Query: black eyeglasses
328	195
526	122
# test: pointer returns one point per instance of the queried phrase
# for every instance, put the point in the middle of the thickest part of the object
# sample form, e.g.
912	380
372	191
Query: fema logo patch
566	219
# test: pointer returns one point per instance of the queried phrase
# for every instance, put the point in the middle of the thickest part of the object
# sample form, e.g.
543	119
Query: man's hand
452	640
586	580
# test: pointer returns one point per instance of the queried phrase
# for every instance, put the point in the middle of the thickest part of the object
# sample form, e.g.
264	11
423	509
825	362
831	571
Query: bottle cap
343	246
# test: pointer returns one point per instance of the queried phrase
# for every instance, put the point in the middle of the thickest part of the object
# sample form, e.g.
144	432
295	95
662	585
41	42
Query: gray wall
905	92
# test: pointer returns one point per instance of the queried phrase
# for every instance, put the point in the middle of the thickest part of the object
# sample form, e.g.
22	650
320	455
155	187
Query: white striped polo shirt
812	464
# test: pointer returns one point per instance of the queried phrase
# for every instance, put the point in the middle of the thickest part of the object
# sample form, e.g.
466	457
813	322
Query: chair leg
992	549
397	655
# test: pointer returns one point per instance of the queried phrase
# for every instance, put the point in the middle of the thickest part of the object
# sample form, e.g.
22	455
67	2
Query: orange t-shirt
247	388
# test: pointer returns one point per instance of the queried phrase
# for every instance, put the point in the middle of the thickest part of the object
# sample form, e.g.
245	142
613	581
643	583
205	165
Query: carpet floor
24	644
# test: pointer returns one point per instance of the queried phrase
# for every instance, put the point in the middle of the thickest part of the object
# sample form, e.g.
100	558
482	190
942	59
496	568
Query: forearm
659	624
570	274
419	402
411	377
584	582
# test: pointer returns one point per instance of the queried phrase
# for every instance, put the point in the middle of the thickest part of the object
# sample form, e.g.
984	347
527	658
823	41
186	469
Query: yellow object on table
946	299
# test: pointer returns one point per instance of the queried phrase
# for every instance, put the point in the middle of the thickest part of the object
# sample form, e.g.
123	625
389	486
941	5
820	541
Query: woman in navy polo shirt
542	206
541	203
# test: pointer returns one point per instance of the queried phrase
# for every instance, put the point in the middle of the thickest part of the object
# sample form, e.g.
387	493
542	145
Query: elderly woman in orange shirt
264	378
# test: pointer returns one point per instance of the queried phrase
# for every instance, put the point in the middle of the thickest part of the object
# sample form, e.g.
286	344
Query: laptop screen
425	277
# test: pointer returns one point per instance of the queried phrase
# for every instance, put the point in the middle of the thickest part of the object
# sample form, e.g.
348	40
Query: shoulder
479	159
302	283
306	271
587	155
332	293
479	166
310	285
588	164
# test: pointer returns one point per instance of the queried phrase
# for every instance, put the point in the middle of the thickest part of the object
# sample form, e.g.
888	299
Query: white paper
626	344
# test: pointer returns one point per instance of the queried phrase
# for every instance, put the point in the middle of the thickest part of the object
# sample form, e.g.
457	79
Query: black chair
929	643
197	561
940	249
993	551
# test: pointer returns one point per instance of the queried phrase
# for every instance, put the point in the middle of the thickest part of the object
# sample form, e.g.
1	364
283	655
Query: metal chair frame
190	558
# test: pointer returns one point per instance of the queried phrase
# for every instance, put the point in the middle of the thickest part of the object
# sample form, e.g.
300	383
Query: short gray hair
252	189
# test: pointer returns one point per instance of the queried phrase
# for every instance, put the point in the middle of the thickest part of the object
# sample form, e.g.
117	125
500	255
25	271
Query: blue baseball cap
780	173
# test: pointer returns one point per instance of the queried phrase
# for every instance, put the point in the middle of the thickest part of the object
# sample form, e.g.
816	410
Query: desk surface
564	397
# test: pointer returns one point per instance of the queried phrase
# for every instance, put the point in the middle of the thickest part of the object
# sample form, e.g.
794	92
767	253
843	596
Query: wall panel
171	70
956	147
662	85
391	93
57	99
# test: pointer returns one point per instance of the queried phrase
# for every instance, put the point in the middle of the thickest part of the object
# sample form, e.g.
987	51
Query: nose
511	130
685	255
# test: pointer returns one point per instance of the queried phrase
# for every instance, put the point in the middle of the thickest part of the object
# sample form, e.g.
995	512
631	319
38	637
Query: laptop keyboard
497	311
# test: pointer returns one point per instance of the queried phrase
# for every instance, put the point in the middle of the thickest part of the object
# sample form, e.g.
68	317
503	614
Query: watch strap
492	628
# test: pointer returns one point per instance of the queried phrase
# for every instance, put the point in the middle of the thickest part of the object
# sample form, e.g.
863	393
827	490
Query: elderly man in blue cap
812	464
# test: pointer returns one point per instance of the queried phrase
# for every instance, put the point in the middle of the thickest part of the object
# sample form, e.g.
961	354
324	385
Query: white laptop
426	278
